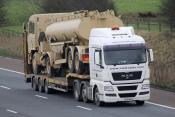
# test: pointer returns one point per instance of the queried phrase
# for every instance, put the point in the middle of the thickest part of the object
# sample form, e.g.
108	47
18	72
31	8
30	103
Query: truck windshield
125	56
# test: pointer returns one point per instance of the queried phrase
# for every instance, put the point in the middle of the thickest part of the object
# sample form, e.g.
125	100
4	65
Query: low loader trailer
88	52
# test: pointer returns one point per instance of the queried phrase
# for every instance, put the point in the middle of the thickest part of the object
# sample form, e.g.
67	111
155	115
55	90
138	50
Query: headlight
108	88
145	86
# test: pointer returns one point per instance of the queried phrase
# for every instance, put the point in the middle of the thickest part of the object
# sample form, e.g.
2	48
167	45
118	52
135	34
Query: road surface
17	99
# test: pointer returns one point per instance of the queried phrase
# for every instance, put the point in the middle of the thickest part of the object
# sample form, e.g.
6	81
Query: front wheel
97	98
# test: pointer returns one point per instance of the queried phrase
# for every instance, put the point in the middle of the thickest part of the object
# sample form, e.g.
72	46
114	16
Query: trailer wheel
49	68
84	93
35	85
40	86
32	83
46	88
76	88
70	61
35	67
140	103
79	65
97	98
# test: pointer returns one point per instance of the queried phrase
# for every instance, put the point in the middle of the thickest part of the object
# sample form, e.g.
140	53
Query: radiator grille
127	76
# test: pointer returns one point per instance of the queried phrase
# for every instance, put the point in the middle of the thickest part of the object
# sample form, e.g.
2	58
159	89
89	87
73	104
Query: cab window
31	27
97	57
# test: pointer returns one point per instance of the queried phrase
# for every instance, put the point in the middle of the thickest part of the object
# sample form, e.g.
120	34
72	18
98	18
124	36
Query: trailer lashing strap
56	81
84	77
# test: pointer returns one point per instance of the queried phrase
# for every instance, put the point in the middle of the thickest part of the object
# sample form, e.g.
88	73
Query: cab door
97	65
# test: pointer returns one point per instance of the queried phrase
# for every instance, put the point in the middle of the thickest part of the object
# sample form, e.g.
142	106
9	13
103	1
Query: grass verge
138	6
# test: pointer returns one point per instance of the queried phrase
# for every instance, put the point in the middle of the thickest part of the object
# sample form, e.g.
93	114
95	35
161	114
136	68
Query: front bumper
126	95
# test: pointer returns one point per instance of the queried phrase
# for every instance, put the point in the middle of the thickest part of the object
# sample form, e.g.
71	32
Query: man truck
88	52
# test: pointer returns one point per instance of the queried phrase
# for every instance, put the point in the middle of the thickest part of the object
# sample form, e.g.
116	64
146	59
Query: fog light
108	88
145	86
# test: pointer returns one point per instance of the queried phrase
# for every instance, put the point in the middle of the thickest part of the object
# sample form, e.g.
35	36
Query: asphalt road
17	99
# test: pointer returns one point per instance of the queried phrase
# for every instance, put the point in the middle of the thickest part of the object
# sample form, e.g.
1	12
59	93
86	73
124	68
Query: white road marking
12	71
41	96
160	105
84	108
11	111
4	87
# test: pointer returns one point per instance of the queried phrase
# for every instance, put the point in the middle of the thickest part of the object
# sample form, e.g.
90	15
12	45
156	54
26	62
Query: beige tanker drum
79	28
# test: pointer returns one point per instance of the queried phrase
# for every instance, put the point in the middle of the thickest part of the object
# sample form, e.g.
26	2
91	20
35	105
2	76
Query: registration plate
128	99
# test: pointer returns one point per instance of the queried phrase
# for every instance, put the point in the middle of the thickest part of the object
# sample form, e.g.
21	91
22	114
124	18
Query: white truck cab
119	65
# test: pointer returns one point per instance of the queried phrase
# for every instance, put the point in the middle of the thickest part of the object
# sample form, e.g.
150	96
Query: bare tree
168	11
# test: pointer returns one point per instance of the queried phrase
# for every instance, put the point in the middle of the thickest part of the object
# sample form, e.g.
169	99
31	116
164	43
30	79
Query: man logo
127	76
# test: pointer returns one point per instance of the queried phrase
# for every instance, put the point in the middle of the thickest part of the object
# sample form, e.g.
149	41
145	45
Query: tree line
75	5
2	12
167	7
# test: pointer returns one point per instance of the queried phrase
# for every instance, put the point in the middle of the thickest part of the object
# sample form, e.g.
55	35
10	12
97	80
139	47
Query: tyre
70	62
77	94
79	65
35	67
32	85
49	68
84	93
40	86
27	80
140	103
46	88
35	85
97	98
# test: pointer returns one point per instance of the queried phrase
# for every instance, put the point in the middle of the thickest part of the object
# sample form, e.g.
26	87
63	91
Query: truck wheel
84	93
77	94
49	68
97	98
40	86
35	67
70	61
32	83
35	85
79	66
46	88
140	103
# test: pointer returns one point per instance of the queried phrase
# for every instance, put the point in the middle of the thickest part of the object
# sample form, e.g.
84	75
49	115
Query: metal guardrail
149	24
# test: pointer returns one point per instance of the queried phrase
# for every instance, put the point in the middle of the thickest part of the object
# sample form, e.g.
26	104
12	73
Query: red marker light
85	57
115	27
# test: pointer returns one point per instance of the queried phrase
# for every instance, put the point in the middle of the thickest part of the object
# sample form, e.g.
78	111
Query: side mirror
97	58
151	56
